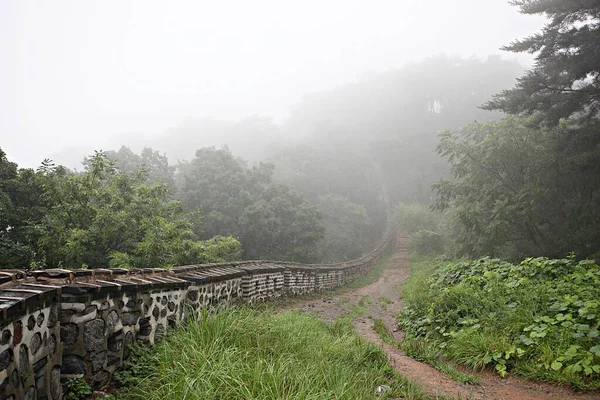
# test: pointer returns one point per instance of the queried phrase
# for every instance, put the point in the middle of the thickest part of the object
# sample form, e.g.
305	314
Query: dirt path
380	300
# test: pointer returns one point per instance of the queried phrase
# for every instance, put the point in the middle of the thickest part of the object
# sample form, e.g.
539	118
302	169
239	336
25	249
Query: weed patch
539	319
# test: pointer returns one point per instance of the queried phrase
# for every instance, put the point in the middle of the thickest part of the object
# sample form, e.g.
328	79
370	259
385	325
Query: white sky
76	73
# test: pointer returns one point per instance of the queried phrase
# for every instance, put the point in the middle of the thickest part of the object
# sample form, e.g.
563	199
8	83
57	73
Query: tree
520	190
565	80
21	209
104	217
270	221
154	165
346	228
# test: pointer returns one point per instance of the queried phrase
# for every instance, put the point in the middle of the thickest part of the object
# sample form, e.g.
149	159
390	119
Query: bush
539	318
428	243
411	218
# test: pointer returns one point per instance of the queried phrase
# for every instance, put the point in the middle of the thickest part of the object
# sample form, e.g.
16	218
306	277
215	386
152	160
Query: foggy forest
472	128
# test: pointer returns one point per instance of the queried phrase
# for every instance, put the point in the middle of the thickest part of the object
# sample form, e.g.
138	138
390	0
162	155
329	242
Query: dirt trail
380	300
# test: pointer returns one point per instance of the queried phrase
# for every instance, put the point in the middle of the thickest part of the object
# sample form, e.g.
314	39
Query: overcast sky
75	73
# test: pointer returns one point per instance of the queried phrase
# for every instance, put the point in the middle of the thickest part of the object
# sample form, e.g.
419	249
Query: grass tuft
247	354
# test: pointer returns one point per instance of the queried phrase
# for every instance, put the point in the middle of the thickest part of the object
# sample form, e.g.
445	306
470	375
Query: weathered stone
6	357
38	367
104	306
30	393
98	360
127	343
30	322
65	315
155	312
53	316
90	309
115	342
69	334
160	332
45	339
171	306
93	335
14	379
5	338
40	319
112	360
35	343
72	365
100	379
130	318
55	386
172	323
4	385
164	301
18	333
145	327
111	320
23	362
120	304
163	312
52	345
130	304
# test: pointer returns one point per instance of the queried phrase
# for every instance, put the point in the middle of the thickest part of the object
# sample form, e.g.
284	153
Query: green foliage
520	190
539	318
427	243
270	221
101	217
246	354
411	218
153	165
345	226
77	389
564	80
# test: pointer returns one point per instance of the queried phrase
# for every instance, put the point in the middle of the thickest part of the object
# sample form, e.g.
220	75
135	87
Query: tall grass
248	354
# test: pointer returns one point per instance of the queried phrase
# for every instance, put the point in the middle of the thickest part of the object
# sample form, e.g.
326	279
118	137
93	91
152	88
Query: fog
83	75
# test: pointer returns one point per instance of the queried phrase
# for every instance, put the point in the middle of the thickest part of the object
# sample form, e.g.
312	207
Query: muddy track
381	300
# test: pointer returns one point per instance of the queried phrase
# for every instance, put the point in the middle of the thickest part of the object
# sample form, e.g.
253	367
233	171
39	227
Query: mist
82	75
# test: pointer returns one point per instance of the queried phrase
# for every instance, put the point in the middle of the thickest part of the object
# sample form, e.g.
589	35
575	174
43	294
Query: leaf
596	350
556	365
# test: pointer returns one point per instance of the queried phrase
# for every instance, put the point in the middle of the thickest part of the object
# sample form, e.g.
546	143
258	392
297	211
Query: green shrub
411	218
428	243
77	389
539	318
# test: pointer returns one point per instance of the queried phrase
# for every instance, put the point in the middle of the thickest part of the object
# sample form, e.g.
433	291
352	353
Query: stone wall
60	324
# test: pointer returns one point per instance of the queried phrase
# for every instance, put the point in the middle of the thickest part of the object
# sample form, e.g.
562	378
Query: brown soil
381	300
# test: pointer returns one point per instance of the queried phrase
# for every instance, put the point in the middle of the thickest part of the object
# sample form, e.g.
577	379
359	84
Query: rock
72	365
68	334
5	338
35	343
381	389
130	318
6	357
93	335
40	319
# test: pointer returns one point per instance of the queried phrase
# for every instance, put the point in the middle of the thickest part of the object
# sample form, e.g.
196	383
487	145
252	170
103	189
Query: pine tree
565	79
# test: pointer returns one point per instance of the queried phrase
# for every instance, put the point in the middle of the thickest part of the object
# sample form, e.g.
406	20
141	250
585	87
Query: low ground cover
248	354
539	319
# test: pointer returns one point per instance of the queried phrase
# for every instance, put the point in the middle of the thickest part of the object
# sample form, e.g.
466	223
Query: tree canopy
523	190
270	220
101	217
565	80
